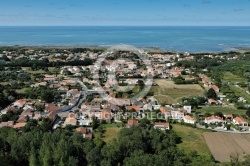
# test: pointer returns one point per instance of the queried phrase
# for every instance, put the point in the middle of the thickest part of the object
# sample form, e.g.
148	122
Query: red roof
133	122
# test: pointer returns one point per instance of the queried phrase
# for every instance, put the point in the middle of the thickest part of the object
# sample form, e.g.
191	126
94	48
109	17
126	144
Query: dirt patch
224	145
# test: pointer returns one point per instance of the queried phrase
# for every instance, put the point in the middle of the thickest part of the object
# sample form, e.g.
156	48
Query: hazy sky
125	12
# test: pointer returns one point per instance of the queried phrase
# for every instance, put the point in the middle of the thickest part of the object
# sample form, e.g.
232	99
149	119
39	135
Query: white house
162	126
213	119
188	119
177	114
241	122
188	109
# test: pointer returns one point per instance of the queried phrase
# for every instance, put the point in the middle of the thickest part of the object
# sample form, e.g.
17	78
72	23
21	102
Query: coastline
102	48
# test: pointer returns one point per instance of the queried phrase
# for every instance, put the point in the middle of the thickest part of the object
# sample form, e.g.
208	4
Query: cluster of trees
181	80
135	146
26	62
194	102
200	63
7	96
44	93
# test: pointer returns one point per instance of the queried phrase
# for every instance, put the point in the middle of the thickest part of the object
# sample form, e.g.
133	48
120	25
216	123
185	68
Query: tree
248	112
211	94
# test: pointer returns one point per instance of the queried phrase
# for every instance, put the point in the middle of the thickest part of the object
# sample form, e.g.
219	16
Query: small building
229	116
132	122
213	119
212	101
188	119
85	131
70	120
241	122
162	125
188	109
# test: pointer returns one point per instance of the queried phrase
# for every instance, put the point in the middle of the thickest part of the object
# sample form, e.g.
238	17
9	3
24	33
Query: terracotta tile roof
19	125
213	117
7	124
189	117
214	87
133	122
164	109
135	107
82	130
161	124
240	120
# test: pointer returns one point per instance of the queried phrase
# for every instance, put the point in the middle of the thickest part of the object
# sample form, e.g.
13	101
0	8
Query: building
132	122
162	125
188	109
188	119
85	131
213	119
241	122
70	120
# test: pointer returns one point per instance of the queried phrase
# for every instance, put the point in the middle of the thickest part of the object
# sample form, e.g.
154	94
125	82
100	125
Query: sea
169	38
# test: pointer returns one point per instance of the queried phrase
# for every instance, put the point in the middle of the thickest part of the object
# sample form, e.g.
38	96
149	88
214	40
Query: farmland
192	139
224	145
224	110
168	93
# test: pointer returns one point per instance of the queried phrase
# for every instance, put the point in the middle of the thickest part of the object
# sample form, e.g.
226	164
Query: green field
240	92
229	77
111	132
192	139
169	93
224	110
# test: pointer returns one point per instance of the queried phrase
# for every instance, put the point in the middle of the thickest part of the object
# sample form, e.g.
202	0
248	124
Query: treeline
135	146
25	62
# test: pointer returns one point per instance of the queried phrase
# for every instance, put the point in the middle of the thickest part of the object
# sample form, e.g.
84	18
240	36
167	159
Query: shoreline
102	48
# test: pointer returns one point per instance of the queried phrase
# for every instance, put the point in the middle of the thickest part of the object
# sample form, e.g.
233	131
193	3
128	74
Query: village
103	92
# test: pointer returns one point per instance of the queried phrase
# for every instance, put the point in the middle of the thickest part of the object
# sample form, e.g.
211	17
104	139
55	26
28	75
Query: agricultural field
240	92
229	77
224	145
168	93
224	110
192	139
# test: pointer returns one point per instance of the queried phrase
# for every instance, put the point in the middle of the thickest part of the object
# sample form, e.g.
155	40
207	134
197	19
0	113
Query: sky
125	12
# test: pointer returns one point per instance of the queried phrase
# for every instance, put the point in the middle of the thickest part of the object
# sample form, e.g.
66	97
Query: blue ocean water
190	39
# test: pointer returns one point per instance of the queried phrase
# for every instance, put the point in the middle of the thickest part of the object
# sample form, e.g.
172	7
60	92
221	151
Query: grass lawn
229	77
21	90
192	139
224	110
28	70
168	93
111	132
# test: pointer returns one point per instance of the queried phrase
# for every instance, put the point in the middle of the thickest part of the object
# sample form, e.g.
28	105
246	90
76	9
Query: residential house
52	116
19	125
166	112
7	124
85	131
73	93
70	120
212	101
19	103
229	116
132	122
52	107
177	114
241	122
162	125
188	119
213	119
133	108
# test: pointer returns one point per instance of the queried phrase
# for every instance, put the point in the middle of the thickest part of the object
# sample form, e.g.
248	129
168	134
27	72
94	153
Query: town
82	90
